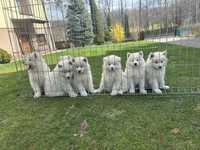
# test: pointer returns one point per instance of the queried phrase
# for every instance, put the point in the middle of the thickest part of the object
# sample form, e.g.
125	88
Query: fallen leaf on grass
83	128
175	131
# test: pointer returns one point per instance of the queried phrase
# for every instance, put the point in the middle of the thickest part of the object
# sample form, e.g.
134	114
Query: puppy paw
73	95
120	92
166	87
143	92
37	95
158	91
132	91
84	94
114	93
97	91
93	91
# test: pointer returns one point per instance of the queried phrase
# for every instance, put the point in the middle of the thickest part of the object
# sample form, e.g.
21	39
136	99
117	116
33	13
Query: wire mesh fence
94	30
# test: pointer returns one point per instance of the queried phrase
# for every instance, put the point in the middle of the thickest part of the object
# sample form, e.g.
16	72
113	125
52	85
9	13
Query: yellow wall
2	22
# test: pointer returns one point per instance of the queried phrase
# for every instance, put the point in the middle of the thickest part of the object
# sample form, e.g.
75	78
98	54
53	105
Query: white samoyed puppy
37	71
82	82
112	74
59	81
134	75
155	71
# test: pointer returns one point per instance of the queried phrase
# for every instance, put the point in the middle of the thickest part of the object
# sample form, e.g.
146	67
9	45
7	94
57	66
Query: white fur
111	79
155	71
134	73
37	71
59	81
82	81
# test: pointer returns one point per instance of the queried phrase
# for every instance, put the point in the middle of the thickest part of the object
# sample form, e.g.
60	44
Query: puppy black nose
160	67
135	64
29	67
112	68
79	71
68	78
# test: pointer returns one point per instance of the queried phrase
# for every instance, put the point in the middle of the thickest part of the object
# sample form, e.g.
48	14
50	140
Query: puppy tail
124	83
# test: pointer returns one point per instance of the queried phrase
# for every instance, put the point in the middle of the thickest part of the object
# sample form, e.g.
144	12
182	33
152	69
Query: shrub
4	57
118	33
107	35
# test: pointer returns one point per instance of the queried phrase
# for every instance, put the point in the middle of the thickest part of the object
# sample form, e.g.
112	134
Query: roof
29	20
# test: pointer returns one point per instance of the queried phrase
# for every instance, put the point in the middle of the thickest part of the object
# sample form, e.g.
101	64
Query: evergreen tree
79	25
126	26
98	28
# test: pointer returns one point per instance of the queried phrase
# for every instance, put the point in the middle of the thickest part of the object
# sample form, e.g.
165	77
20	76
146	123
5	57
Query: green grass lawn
123	122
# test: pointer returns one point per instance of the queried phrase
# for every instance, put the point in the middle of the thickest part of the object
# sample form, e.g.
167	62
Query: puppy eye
161	61
109	64
156	62
137	59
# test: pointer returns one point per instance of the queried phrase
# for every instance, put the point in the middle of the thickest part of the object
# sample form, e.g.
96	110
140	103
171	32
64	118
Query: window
41	39
24	7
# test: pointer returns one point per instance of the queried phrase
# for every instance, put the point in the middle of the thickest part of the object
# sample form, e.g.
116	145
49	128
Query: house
24	27
59	34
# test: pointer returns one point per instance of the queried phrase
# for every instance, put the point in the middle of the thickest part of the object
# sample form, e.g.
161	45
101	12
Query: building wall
12	9
5	41
2	22
6	25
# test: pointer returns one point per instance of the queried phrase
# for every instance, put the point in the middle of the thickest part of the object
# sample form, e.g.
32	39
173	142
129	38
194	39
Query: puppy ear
118	59
59	66
70	63
85	59
165	53
128	54
141	53
105	58
151	55
65	57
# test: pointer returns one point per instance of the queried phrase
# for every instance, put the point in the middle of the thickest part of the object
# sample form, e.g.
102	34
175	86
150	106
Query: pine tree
79	25
97	23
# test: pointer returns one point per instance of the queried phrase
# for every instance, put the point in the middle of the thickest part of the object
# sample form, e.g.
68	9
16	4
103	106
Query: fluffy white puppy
37	71
155	71
111	79
135	73
59	81
82	82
